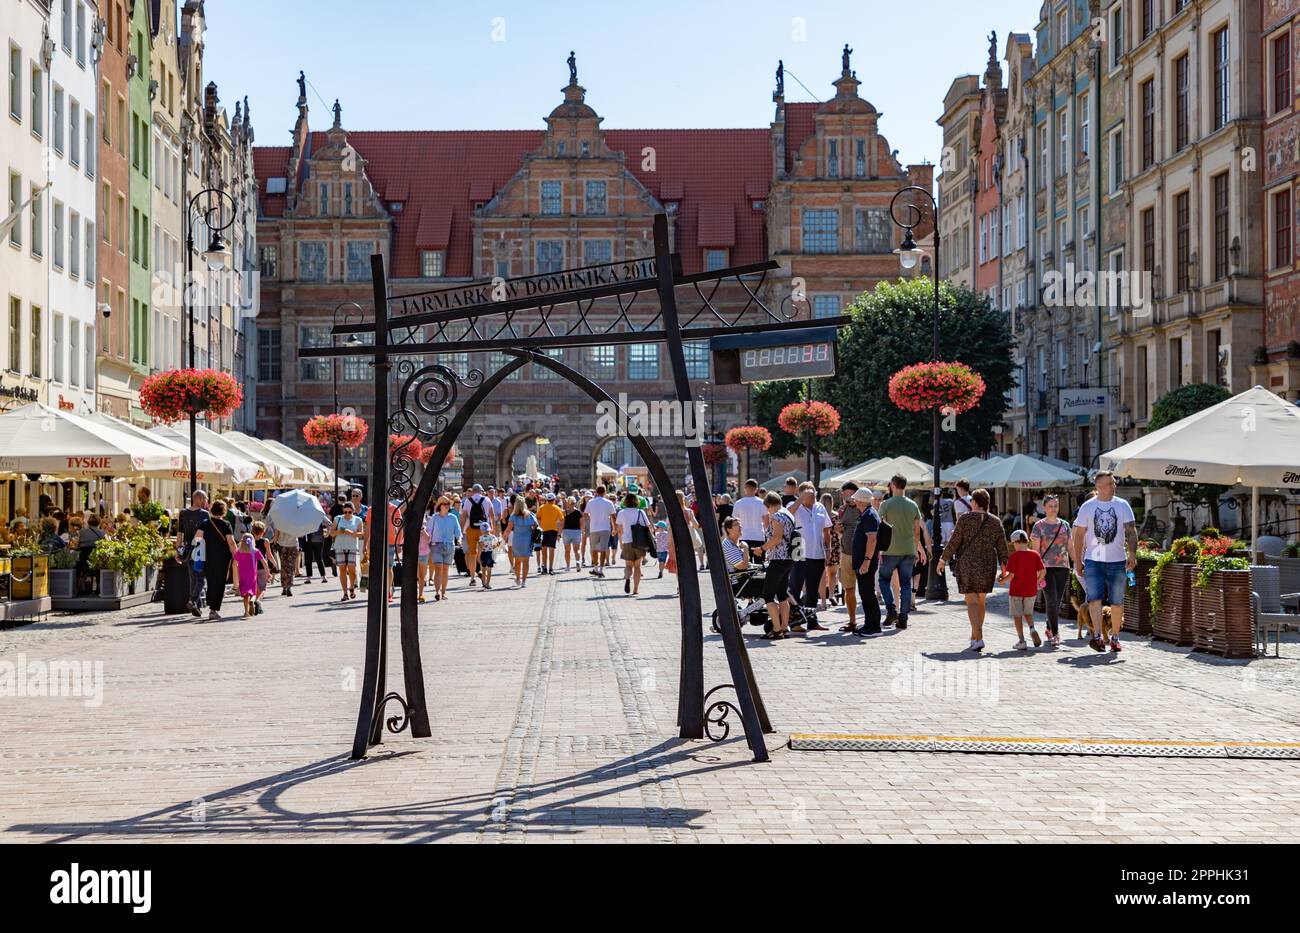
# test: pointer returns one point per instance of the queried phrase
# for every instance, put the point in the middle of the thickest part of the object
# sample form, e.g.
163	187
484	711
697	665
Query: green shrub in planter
64	559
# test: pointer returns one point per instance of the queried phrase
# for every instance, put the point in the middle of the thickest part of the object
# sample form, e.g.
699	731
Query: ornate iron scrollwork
397	723
716	713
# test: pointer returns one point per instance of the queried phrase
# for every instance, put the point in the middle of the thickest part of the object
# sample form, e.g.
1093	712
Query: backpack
477	513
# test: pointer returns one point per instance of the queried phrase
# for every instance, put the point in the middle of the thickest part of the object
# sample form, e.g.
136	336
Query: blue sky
417	64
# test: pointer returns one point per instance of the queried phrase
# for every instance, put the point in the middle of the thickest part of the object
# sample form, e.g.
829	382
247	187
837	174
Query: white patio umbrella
238	469
1251	439
284	472
880	472
40	439
324	476
847	473
296	512
959	470
1021	472
210	467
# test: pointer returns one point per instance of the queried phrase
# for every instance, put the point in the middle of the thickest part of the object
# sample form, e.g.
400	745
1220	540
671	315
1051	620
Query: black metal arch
690	698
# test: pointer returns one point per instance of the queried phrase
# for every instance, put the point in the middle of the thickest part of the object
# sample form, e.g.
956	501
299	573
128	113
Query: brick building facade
811	191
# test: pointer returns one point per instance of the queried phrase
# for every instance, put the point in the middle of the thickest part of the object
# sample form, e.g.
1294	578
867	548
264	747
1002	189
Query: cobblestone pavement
553	720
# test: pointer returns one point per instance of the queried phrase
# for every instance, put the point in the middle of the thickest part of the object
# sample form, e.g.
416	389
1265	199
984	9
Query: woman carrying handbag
1051	538
633	528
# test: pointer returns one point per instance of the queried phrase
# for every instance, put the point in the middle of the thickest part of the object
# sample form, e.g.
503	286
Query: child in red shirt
1027	573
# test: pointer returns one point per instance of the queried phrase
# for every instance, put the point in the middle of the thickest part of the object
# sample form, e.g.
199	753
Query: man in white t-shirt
600	518
814	524
1104	547
752	514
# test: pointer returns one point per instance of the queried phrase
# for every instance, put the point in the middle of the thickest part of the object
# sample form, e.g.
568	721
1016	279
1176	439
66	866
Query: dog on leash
1083	618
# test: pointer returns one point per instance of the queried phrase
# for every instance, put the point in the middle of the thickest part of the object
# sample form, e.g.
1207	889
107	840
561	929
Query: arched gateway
519	318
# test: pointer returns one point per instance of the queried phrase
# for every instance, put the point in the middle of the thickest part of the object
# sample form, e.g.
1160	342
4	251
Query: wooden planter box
1137	600
31	577
1174	621
111	584
1222	616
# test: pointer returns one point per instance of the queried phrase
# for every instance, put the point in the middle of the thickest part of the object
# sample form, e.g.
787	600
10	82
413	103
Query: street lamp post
354	315
214	257
909	254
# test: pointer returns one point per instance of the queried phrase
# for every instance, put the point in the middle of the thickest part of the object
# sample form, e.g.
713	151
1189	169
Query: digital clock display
794	361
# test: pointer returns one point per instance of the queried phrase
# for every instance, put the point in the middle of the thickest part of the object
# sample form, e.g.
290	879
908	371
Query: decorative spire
338	115
573	69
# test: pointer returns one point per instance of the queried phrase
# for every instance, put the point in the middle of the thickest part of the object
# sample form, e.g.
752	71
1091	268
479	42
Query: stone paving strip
553	711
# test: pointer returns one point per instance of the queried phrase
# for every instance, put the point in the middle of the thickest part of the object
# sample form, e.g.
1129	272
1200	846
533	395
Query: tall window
1148	17
16	83
833	159
1219	187
697	359
551	197
1282	228
359	368
860	158
1149	241
15	334
58	120
347	199
550	255
311	261
268	354
595	197
38	103
1041	170
1180	103
1116	159
358	260
872	230
1175	362
821	231
313	369
324	198
597	252
1182	240
270	262
36	341
74	353
1063	140
602	361
1219	64
1117	35
74	133
643	361
74	244
15	198
1085	125
1148	93
1282	72
56	349
38	222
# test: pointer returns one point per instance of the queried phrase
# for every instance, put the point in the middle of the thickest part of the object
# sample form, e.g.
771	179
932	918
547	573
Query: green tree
1175	405
892	328
767	401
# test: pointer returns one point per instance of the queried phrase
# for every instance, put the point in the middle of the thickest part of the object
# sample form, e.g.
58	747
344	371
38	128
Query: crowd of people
867	550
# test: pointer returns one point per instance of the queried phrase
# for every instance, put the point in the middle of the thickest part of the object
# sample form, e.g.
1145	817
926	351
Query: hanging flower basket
345	430
406	445
173	395
821	418
714	454
749	437
925	386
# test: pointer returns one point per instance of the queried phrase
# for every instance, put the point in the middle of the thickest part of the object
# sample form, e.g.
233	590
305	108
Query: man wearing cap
475	510
864	560
847	521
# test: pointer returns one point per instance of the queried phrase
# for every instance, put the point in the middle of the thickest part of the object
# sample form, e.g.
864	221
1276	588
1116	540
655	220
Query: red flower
406	445
345	430
925	386
172	395
748	437
821	418
713	454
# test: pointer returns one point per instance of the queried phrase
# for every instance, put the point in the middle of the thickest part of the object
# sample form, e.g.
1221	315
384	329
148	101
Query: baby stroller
751	608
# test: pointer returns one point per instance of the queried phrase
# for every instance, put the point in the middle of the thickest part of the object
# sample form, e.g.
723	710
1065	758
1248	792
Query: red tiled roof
445	170
670	191
717	225
481	189
399	189
798	127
